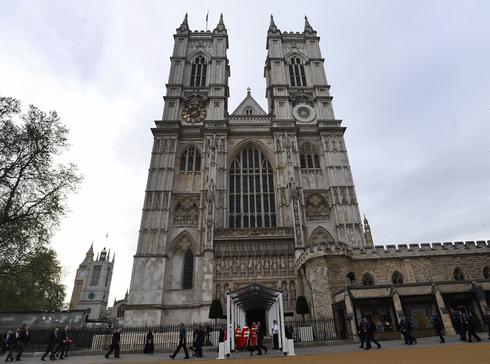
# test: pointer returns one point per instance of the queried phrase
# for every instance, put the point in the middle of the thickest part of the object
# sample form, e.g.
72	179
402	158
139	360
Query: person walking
470	324
50	344
362	331
64	343
115	344
149	346
369	334
260	339
275	335
182	342
437	325
199	340
408	331
10	345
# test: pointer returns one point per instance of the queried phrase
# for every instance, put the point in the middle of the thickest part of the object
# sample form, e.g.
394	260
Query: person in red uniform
238	338
253	338
245	337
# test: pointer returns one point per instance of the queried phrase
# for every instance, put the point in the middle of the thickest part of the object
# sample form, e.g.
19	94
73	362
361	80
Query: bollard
291	348
221	351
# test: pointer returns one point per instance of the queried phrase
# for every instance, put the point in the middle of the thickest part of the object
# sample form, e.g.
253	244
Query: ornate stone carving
186	212
302	97
316	207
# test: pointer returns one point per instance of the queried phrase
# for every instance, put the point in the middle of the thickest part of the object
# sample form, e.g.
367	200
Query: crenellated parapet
394	251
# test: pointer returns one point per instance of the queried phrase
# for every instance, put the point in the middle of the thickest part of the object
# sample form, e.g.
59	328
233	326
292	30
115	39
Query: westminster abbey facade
249	196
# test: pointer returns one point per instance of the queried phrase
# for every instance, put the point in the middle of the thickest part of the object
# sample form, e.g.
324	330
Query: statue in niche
218	292
266	265
290	263
259	265
283	263
274	264
292	290
242	266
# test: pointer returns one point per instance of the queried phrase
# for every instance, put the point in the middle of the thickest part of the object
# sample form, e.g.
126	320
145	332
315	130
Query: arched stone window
458	274
251	185
190	160
198	72
308	158
248	111
486	272
120	311
351	278
397	278
297	72
367	280
321	236
188	270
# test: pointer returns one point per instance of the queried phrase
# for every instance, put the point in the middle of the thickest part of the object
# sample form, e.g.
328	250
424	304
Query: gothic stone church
268	197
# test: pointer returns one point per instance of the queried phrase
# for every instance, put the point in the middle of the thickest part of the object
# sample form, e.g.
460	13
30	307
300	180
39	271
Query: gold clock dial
193	113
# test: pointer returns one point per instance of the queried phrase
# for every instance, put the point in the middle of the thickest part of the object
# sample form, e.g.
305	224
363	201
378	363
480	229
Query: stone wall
326	267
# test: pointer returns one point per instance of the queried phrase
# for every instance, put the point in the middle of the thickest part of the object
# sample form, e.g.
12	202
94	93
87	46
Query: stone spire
89	256
221	25
308	28
367	232
272	26
184	27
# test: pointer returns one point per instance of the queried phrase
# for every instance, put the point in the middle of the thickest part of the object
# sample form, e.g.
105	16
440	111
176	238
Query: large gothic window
190	160
188	270
198	72
251	187
308	158
297	72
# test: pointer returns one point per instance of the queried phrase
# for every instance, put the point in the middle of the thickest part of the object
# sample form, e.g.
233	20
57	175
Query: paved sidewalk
315	353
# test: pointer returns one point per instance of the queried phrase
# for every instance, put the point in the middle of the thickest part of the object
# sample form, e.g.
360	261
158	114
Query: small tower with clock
93	283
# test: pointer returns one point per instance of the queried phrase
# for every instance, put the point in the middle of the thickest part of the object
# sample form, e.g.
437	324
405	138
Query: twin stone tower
234	199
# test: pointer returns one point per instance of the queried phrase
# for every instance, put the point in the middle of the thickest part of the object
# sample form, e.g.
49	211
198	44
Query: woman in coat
149	346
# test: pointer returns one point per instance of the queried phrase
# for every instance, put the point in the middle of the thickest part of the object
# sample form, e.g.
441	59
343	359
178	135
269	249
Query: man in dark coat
22	338
437	325
408	331
470	324
182	342
362	331
199	340
10	341
260	337
369	334
115	344
50	344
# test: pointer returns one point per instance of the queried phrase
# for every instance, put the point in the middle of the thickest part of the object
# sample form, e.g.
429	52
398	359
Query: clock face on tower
304	113
194	112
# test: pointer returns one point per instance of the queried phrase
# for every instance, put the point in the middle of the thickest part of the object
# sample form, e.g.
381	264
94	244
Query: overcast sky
410	80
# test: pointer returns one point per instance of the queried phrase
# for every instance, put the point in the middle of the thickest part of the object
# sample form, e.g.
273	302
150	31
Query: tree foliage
215	310
35	285
302	307
34	185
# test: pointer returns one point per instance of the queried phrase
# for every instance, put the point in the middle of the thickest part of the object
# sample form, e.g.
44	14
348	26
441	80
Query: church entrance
254	303
255	315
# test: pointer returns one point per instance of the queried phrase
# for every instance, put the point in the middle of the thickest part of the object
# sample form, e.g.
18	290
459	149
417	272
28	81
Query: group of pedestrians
464	324
250	338
366	332
13	343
